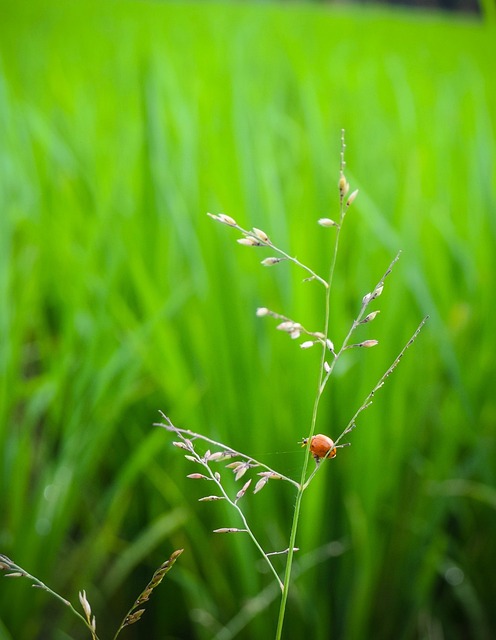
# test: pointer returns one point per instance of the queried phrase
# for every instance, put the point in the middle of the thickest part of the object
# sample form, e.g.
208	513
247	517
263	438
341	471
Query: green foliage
121	125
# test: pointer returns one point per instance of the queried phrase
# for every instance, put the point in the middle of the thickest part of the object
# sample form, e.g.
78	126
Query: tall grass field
121	125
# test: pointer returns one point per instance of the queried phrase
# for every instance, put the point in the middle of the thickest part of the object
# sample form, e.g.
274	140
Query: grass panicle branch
258	238
320	447
14	570
133	615
136	611
239	469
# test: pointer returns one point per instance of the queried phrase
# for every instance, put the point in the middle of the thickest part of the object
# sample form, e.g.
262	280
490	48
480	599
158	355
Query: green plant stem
245	522
258	545
315	411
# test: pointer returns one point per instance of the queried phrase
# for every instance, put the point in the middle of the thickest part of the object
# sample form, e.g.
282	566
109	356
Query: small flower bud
287	326
243	490
327	367
181	445
218	456
307	345
366	299
240	470
227	220
260	484
327	222
85	604
197	476
352	198
248	242
370	317
368	343
261	235
330	345
343	186
272	475
224	219
377	291
210	498
270	262
234	465
228	530
262	311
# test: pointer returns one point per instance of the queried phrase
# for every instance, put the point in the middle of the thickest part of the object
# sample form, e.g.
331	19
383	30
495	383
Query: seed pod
181	445
377	292
287	326
307	345
261	235
327	222
344	186
249	242
219	456
270	262
368	343
243	490
351	198
261	484
370	317
227	220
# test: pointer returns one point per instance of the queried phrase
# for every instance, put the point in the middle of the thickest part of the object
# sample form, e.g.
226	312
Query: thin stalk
17	571
216	478
315	411
368	400
181	432
258	238
247	526
258	545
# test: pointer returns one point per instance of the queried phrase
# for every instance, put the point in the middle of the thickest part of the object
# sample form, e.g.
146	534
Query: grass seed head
270	262
261	235
327	222
344	186
248	241
352	197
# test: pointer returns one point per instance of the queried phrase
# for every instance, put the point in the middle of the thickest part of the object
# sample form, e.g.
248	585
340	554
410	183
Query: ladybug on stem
321	447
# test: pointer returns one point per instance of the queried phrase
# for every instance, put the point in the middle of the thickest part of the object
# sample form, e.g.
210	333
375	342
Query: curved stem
323	377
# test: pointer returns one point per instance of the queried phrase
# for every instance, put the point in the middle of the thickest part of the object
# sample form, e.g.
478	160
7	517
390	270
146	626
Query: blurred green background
122	124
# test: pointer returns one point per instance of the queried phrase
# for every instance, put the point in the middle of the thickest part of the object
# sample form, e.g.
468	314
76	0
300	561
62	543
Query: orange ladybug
320	446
